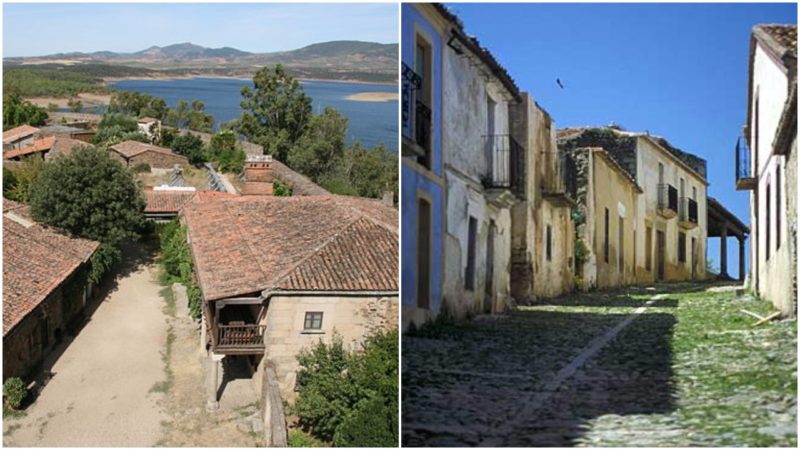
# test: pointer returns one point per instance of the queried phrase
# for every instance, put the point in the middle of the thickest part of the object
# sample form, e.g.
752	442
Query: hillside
336	60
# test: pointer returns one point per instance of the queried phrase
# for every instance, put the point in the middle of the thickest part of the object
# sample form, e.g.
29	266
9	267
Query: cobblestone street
680	365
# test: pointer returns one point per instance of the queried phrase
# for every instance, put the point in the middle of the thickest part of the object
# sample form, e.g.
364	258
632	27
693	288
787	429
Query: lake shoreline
108	81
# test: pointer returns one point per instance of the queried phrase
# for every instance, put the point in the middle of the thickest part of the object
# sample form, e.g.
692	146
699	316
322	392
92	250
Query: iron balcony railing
667	197
240	336
506	164
688	210
743	169
416	115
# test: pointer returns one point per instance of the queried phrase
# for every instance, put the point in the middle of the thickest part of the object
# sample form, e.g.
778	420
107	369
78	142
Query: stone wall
157	160
351	317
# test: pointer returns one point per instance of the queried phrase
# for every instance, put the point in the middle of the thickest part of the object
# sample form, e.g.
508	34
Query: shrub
281	190
14	392
370	424
188	145
176	264
350	398
141	167
301	439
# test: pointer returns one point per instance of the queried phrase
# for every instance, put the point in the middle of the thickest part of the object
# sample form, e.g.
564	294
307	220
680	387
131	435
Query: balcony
240	339
416	117
687	213
667	200
745	179
506	163
561	187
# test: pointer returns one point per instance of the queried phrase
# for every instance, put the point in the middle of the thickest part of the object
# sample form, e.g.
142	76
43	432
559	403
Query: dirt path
100	393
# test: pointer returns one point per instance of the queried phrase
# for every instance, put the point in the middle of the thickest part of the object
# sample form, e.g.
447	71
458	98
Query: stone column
203	332
741	257
723	251
214	362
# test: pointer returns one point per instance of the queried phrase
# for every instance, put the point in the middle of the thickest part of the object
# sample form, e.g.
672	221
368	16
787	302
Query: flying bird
558	81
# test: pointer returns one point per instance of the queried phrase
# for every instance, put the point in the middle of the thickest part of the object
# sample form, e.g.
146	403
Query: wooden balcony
240	339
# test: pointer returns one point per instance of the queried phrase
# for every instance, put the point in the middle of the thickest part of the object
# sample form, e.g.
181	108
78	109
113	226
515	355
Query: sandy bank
89	100
373	97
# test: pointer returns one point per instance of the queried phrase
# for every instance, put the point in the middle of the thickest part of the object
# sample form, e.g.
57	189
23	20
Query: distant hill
356	60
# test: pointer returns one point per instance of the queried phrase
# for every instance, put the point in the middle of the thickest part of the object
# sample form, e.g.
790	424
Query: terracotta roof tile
248	244
166	201
36	260
13	134
130	149
784	35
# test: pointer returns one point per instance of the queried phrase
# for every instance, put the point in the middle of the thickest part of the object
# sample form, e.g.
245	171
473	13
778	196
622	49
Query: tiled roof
166	201
319	243
784	35
21	131
130	149
36	260
56	145
39	145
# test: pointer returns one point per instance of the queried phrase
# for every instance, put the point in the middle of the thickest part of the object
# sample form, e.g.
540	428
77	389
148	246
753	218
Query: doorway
660	256
489	285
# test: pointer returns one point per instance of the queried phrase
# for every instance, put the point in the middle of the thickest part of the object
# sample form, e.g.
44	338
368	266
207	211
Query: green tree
189	116
226	152
320	149
190	146
89	194
74	105
277	111
115	128
137	104
372	171
24	177
9	182
17	111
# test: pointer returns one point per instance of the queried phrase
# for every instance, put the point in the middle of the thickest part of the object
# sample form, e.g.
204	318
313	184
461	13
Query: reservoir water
370	123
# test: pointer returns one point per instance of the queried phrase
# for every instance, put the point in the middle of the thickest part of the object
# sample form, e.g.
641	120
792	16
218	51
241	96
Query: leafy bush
226	152
17	111
281	190
188	145
300	439
176	264
22	179
14	392
141	167
350	398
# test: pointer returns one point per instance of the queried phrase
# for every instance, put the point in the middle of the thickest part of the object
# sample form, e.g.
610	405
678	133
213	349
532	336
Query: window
469	274
769	212
549	246
422	106
777	207
682	247
620	244
605	240
648	249
423	253
313	321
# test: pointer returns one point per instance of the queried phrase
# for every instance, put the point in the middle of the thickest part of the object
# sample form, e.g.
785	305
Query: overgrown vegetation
350	398
17	111
176	264
51	81
301	439
14	392
281	190
17	182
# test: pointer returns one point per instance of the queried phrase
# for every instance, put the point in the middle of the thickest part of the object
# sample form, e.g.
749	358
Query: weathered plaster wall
771	88
353	318
420	182
649	157
465	128
613	191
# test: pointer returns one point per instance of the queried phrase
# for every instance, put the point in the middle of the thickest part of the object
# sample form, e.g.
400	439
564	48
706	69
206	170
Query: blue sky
677	70
39	29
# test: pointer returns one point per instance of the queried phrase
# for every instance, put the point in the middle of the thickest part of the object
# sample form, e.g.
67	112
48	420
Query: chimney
257	175
388	198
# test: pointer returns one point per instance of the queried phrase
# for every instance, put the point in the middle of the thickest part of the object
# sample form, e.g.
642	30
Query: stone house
424	32
48	148
542	231
16	138
131	153
280	273
483	171
45	288
670	228
65	131
607	191
768	164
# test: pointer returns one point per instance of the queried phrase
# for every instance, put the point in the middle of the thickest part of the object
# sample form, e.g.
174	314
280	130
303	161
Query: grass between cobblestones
690	370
